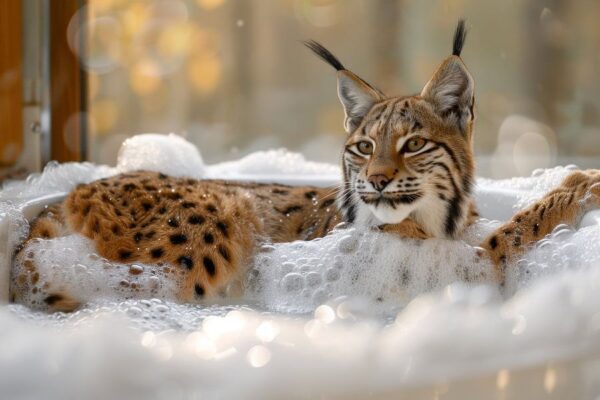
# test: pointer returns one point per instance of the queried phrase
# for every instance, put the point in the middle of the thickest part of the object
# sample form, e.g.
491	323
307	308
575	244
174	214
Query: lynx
408	169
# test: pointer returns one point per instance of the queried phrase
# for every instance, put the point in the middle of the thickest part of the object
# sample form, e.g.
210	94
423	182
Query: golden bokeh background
233	77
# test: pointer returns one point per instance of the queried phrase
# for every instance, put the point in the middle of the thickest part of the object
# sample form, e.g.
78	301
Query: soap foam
298	276
533	187
56	178
170	154
273	163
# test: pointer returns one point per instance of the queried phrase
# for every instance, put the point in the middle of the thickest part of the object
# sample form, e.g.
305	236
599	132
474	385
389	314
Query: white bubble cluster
531	188
274	165
169	154
564	250
299	276
13	230
56	178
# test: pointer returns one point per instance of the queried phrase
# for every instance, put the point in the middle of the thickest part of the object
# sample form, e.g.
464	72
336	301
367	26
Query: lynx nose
379	182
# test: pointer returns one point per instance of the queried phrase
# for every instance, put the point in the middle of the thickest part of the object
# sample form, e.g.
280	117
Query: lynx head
408	156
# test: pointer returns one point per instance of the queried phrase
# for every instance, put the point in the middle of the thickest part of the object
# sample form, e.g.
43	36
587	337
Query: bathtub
457	343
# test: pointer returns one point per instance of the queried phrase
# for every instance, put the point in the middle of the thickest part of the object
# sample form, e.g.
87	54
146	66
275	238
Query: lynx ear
356	95
451	88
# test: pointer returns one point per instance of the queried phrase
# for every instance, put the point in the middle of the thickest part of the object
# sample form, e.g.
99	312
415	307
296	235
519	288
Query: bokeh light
96	40
204	73
502	379
134	17
153	41
210	4
325	314
267	331
144	77
531	150
174	40
550	380
524	144
259	356
104	113
319	13
148	339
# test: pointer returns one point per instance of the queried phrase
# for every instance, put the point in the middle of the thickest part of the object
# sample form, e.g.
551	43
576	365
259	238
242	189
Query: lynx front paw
408	229
591	199
583	187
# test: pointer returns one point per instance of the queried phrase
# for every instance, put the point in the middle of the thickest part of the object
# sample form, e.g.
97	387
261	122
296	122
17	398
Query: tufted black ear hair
356	95
451	88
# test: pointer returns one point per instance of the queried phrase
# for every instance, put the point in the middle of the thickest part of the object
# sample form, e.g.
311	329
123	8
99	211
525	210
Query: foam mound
385	271
169	154
273	163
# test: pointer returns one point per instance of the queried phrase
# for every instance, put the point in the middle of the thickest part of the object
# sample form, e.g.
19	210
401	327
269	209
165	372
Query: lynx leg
49	224
577	194
407	229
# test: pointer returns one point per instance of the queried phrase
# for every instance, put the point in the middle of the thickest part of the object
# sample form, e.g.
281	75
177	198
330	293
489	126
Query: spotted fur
205	230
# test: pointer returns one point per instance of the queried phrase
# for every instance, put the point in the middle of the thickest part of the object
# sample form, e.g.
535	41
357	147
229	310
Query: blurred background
233	77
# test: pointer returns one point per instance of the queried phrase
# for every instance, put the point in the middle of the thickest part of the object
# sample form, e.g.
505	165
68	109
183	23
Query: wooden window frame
68	83
11	82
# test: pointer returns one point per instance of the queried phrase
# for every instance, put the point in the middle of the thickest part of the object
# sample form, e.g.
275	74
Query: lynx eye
365	147
414	144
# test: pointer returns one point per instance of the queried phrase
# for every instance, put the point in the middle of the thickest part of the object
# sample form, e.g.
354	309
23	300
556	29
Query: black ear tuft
325	54
460	34
356	95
